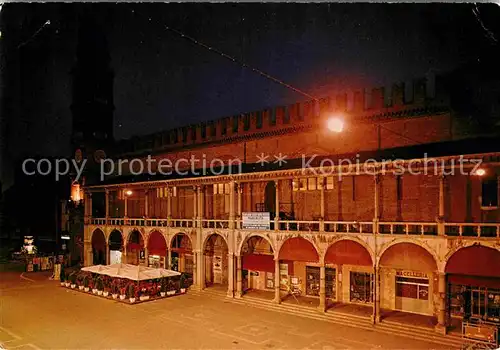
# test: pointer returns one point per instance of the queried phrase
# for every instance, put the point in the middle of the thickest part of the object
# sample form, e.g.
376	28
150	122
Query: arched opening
257	260
408	273
157	250
216	261
135	248
473	276
299	269
182	259
115	247
98	248
348	273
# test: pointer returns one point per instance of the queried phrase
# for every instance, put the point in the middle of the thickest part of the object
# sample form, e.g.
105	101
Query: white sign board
256	220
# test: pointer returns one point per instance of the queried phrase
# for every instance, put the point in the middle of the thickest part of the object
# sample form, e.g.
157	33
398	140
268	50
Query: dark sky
164	81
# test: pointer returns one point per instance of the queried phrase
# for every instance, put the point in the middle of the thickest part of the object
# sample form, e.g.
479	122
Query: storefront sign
256	220
411	274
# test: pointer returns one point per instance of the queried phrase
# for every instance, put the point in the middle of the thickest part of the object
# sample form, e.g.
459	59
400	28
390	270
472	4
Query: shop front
348	273
115	247
299	268
473	284
135	249
157	250
408	279
216	261
181	256
259	270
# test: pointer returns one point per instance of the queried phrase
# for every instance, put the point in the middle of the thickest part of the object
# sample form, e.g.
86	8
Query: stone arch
408	256
207	237
172	237
114	234
96	230
254	234
215	251
474	260
291	248
156	243
141	232
98	243
421	244
348	251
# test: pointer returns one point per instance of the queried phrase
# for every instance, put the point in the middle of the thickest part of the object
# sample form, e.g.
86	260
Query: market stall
127	282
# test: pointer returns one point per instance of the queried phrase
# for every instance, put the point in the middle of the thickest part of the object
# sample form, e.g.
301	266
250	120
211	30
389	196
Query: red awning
475	261
346	252
157	244
475	281
298	249
258	262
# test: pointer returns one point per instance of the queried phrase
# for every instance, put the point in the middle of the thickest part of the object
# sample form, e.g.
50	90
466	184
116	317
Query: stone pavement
43	315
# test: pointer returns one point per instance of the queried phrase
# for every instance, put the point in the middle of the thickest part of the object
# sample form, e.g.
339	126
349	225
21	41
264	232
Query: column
196	190
277	297
230	275
169	258
376	295
239	287
87	253
322	289
441	227
277	205
125	205
441	325
106	193
146	256
239	188
195	270
201	203
214	202
108	259
231	205
201	269
146	203
376	206
169	206
322	203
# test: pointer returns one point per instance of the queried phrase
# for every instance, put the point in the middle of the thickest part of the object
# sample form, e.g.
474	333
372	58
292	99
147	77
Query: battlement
366	104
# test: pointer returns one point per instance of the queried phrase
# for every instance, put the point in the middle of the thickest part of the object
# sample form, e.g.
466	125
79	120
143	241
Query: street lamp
480	172
335	124
128	193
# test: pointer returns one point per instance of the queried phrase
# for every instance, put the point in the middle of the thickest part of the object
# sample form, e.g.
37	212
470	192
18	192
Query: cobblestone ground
39	314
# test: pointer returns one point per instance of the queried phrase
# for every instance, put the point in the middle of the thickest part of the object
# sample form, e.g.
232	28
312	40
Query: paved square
42	315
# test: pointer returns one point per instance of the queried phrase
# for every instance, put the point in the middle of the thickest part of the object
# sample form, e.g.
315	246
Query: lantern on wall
76	192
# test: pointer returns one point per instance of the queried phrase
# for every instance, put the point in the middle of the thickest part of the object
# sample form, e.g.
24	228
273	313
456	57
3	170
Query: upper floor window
489	192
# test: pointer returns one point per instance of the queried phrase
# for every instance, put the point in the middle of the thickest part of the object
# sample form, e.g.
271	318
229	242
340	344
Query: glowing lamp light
480	172
128	192
335	124
76	192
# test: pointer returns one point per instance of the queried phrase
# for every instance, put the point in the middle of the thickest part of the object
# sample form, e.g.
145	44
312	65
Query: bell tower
92	106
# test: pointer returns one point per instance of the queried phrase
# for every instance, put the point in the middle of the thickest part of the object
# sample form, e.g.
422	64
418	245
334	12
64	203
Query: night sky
164	81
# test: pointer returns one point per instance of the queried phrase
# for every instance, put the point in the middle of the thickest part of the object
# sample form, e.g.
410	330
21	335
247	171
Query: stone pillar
196	191
322	204
277	204
125	205
240	192
201	204
195	270
440	220
106	193
230	275
169	258
146	256
146	203
239	286
108	258
277	296
322	289
231	205
376	204
169	206
376	295
214	203
441	325
87	254
201	269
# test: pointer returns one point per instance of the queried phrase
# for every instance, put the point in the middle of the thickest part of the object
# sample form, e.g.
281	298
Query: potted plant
170	287
62	276
114	289
67	282
183	283
86	283
123	292
131	292
163	287
94	284
72	280
106	286
99	286
79	281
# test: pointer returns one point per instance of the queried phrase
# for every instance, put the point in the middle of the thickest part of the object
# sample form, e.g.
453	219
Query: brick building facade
371	233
